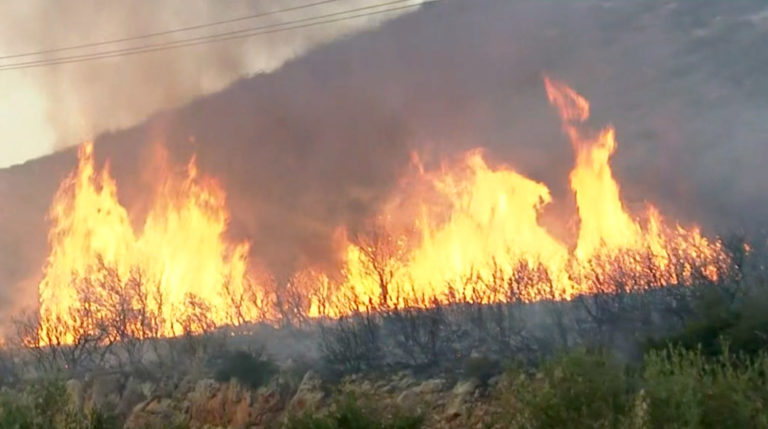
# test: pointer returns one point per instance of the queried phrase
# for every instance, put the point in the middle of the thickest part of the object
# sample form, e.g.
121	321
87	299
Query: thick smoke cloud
321	142
52	107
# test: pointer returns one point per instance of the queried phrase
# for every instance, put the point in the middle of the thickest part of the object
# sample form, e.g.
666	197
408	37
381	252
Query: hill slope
318	143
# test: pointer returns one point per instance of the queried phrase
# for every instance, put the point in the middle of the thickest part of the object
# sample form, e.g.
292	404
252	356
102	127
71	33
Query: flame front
468	226
466	231
179	263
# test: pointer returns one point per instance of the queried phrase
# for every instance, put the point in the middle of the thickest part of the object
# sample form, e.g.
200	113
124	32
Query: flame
179	256
468	226
604	221
466	231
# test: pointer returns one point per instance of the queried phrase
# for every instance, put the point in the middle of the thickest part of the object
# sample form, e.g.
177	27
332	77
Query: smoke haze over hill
51	107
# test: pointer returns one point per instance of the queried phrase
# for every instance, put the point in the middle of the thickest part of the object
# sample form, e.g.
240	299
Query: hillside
317	144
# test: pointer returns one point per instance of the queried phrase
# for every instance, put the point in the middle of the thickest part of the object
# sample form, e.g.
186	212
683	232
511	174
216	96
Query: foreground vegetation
681	356
672	388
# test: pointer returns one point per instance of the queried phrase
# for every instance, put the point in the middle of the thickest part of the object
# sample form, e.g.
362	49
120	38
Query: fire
178	263
468	231
604	222
449	232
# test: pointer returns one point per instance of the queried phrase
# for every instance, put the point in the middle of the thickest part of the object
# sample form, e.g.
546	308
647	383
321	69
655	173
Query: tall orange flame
469	221
604	222
180	254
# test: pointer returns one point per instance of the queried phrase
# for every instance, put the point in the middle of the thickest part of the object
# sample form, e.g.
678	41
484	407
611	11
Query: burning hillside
467	232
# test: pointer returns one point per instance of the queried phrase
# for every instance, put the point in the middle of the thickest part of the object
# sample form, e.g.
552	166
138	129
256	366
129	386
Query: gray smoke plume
50	107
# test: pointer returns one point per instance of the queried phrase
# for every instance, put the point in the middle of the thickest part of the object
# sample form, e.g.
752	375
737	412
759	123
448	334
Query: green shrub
718	318
684	388
675	388
671	383
45	405
247	368
577	390
349	413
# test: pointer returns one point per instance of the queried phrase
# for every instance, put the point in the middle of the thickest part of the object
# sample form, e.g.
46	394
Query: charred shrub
8	370
421	336
251	369
352	343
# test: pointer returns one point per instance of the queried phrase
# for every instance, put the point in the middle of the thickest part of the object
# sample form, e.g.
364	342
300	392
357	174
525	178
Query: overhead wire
167	32
338	16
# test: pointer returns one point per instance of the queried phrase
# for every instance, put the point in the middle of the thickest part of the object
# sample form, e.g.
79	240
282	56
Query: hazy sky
42	109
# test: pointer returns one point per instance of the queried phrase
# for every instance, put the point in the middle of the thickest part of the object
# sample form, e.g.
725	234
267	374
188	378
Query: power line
167	32
230	35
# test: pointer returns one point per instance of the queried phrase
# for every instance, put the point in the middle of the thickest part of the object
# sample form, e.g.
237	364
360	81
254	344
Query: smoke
45	108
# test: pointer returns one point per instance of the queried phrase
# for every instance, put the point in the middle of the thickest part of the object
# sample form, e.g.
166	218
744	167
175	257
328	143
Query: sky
48	108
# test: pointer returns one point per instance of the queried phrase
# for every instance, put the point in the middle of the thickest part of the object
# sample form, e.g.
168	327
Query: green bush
675	388
349	413
686	389
720	315
247	368
45	405
578	390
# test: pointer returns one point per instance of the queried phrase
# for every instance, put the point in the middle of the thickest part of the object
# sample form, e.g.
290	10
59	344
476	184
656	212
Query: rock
309	395
76	393
152	413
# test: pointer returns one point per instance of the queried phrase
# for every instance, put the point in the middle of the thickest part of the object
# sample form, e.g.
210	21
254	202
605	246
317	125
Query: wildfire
471	232
466	231
178	272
